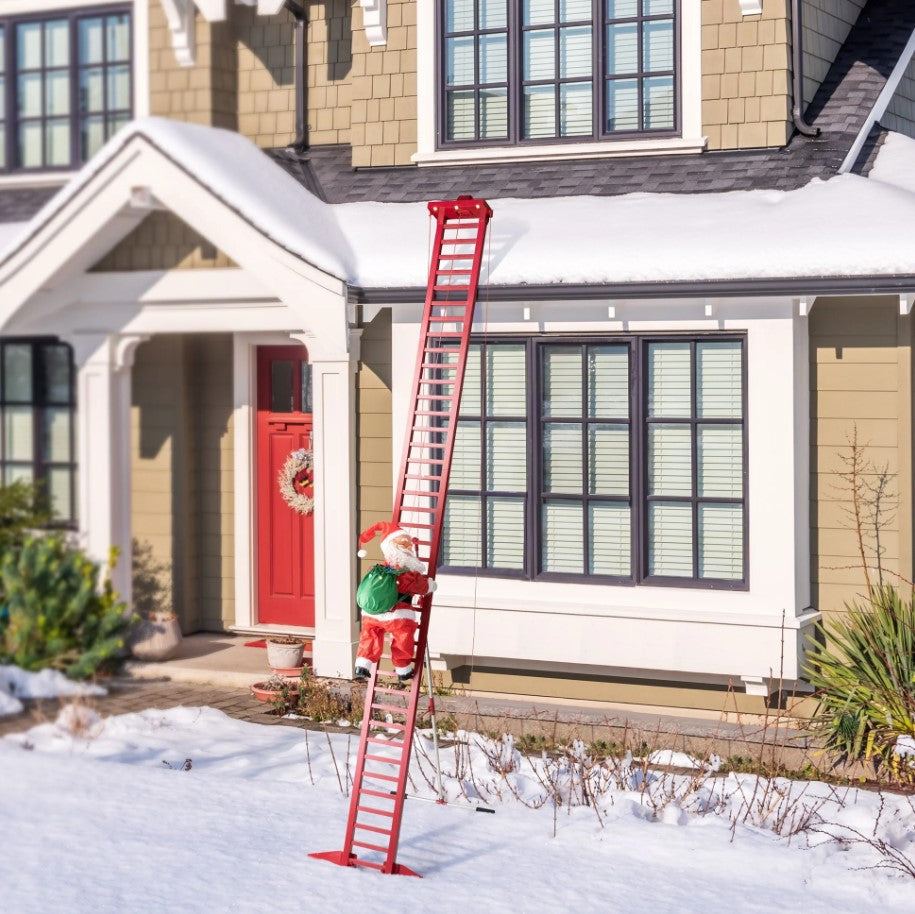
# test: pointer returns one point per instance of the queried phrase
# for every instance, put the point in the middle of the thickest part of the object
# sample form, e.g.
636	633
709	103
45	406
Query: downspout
797	71
301	74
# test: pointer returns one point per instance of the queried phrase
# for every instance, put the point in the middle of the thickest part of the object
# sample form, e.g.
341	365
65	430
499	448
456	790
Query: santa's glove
432	585
361	553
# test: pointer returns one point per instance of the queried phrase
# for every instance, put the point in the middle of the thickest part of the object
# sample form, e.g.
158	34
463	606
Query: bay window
516	71
66	86
620	459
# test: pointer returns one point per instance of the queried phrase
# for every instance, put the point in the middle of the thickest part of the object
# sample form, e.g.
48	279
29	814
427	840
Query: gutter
301	83
797	72
726	288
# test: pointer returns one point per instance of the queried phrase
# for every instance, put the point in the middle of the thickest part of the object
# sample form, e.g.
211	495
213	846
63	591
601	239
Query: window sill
36	178
557	151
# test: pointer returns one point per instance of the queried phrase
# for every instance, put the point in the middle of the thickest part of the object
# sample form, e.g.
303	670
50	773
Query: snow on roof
844	227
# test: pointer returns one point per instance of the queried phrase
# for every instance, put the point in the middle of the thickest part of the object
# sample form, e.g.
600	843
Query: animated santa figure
385	597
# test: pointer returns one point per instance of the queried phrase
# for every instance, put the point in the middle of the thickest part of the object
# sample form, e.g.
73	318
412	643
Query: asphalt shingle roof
839	109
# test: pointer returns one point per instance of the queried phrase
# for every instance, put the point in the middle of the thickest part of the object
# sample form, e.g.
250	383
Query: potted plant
277	689
157	636
285	653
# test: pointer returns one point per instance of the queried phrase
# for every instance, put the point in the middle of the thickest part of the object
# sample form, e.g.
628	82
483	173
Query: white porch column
334	390
103	446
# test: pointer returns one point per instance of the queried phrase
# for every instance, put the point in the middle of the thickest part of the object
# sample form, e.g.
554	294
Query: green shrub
57	616
863	669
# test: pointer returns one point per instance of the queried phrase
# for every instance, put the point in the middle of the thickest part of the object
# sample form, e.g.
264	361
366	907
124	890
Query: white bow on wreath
291	478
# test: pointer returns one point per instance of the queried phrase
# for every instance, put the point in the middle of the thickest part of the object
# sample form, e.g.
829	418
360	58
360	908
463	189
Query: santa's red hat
385	529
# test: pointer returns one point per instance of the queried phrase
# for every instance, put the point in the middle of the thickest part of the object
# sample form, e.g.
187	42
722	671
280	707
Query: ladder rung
378	776
390	795
375	812
369	863
394	708
374	828
441	334
438	382
431	412
384	724
382	760
418	492
427	478
453	272
451	288
370	847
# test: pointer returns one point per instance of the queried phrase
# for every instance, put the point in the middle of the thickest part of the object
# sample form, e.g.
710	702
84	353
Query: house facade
215	248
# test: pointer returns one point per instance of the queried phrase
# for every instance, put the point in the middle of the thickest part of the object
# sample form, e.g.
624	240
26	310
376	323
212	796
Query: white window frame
427	92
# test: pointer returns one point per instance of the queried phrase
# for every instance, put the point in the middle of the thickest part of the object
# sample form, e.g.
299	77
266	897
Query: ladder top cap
464	206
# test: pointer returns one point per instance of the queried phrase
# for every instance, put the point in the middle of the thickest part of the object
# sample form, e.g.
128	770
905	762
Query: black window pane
57	374
17	373
281	391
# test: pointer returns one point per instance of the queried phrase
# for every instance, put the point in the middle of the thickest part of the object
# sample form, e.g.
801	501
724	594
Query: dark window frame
75	69
638	456
516	82
40	402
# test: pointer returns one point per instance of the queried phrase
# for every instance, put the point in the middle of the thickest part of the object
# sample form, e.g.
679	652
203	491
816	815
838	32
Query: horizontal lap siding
860	378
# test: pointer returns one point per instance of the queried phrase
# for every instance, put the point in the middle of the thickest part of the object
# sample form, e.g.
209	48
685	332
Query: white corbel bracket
906	299
804	305
375	21
125	348
750	7
180	16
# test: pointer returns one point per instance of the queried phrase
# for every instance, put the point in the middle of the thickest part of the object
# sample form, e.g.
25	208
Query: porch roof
850	232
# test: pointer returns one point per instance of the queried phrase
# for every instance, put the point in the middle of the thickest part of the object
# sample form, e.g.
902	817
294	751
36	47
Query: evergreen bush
18	514
57	615
863	668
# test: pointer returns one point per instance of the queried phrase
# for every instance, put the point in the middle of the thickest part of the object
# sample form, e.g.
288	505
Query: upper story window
65	86
528	71
621	459
37	435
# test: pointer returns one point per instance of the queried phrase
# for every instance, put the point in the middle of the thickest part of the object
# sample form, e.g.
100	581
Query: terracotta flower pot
283	656
157	637
260	691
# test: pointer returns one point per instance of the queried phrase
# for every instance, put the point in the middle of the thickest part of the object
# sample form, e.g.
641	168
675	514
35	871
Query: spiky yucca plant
863	668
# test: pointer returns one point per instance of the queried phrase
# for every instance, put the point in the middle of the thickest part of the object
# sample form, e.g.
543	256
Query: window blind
562	382
609	524
563	546
720	380
505	532
608	382
506	388
466	459
670	465
562	458
721	541
608	460
720	458
669	380
506	466
670	539
462	532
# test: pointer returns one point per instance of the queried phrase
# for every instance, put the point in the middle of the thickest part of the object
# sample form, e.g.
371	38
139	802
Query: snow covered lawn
94	822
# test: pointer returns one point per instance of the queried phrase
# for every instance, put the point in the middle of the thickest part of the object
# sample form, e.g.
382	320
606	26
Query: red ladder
382	765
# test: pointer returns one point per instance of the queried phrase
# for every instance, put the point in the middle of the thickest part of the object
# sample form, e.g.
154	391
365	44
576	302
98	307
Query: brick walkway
126	695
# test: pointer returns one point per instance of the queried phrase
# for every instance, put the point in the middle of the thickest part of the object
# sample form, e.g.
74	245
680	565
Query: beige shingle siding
745	75
900	115
376	448
383	114
182	475
202	94
826	26
162	241
860	376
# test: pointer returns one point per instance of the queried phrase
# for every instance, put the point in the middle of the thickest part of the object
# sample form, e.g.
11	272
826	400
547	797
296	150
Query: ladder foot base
342	859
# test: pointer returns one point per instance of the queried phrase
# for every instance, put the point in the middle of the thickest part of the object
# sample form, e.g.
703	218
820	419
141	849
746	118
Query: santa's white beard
398	557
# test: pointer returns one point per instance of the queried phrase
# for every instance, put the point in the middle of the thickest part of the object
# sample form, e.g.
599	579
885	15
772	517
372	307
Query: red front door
285	538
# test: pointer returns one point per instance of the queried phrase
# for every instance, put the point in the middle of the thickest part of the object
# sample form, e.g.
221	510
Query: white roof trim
880	106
